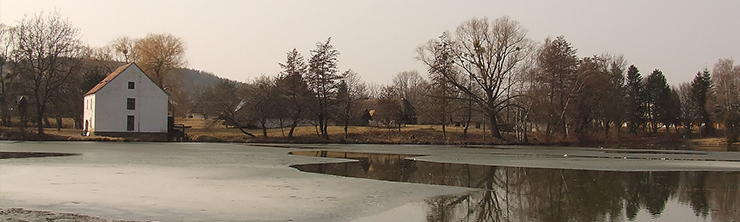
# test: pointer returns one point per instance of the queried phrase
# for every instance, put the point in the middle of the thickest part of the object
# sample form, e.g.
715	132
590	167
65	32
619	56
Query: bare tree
48	50
412	89
348	93
262	101
689	114
158	55
726	85
488	52
726	102
557	82
612	110
440	56
123	48
410	85
102	58
226	102
596	96
8	79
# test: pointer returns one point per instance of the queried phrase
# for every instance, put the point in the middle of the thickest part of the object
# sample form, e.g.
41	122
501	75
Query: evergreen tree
294	89
657	94
700	95
673	110
324	79
635	99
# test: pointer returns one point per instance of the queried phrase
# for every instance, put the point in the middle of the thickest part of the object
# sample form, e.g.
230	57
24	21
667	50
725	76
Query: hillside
191	80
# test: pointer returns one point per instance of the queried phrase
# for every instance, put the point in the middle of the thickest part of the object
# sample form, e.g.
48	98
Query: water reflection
531	194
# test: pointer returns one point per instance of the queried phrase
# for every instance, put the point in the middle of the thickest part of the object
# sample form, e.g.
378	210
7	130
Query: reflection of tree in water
649	190
529	194
579	195
695	192
724	196
491	204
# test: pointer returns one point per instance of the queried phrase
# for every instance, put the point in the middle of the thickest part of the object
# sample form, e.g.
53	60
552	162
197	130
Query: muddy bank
20	214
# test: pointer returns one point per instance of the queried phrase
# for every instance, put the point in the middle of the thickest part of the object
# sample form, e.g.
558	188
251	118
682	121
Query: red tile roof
112	76
108	78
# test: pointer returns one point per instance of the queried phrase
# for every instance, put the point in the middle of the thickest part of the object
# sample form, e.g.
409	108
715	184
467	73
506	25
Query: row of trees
305	91
487	72
491	68
46	69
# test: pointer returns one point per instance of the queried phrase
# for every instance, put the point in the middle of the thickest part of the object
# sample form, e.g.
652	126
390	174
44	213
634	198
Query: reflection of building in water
531	194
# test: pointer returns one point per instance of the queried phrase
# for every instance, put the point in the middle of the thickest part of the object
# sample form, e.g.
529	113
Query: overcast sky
240	39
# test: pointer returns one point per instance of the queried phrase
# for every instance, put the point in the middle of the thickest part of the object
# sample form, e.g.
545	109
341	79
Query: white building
127	103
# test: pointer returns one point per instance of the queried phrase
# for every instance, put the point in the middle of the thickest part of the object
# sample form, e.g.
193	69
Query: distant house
127	103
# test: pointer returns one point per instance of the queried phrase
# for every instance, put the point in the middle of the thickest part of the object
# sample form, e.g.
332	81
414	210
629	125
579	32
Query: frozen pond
190	181
542	194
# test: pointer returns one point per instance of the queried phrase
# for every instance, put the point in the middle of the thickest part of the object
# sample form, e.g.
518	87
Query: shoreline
665	141
21	214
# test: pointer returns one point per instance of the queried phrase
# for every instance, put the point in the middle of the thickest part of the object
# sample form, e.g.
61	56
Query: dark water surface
539	194
8	155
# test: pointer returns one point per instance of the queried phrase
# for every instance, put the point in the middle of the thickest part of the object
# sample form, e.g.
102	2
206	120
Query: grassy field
205	130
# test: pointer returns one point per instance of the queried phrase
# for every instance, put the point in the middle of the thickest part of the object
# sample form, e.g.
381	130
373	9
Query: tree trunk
467	121
40	119
444	122
292	128
245	132
264	128
78	122
59	122
282	130
345	130
6	119
326	131
494	126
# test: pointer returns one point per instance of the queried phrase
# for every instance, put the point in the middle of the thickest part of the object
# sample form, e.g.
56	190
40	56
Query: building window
131	85
131	103
130	120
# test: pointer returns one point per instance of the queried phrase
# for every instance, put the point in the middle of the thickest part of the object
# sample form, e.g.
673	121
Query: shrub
732	125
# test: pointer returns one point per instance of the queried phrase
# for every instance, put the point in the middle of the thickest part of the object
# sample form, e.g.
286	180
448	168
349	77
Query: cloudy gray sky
240	40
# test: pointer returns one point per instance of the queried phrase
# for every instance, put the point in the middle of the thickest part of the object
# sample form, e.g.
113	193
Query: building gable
115	74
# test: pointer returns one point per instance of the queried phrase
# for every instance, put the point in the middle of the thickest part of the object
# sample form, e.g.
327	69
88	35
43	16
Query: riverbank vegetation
215	131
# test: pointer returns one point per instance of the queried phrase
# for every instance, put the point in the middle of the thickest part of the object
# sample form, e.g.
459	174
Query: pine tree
294	88
699	93
324	79
657	94
635	99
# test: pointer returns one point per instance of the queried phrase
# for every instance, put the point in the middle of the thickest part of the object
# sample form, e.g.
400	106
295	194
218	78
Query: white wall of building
106	110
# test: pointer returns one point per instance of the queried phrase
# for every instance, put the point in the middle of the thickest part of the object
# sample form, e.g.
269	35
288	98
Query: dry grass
206	130
210	131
